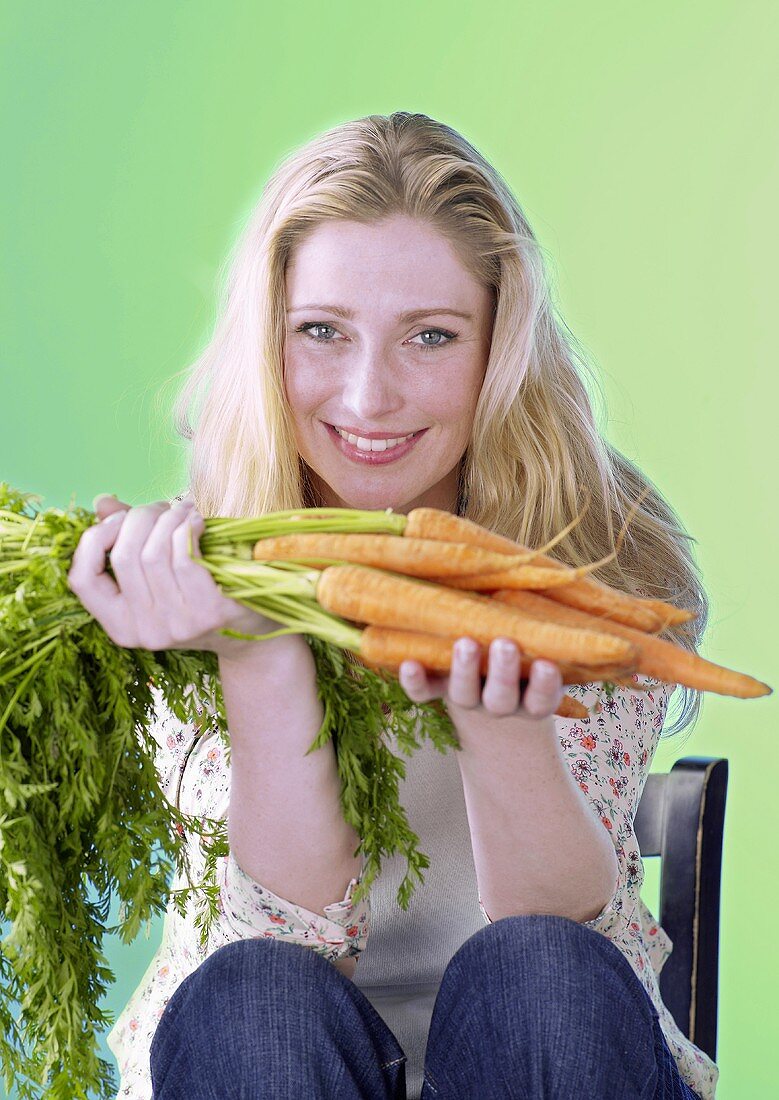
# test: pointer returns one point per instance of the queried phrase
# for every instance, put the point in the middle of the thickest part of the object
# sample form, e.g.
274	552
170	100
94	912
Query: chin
369	500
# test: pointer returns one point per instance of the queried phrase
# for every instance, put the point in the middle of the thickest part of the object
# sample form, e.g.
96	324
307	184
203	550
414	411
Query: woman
388	341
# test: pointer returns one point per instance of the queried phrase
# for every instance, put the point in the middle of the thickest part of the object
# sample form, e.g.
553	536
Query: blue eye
315	324
438	332
307	326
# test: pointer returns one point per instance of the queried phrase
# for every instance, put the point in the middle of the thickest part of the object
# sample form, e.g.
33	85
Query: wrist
235	653
480	731
270	689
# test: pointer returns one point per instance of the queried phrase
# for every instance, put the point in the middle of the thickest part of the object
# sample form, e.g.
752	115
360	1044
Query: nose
371	391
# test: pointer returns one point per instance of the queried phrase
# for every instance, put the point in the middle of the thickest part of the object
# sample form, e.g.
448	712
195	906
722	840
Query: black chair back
681	818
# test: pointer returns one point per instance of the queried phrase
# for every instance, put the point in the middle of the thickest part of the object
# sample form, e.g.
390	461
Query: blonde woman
387	340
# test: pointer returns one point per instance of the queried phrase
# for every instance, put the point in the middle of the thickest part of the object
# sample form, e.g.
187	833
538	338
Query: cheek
304	385
454	405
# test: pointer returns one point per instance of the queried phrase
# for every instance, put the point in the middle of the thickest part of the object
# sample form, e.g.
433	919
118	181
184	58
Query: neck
444	496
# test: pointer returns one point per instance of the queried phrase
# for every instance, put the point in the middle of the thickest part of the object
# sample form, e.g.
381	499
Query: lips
372	458
344	430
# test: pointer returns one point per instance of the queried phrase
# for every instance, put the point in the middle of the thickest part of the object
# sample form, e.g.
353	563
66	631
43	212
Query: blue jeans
529	1007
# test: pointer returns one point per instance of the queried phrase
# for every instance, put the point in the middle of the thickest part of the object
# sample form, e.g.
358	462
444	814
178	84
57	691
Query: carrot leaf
83	822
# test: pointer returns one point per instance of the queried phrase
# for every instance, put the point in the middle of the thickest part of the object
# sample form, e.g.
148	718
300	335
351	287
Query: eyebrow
410	315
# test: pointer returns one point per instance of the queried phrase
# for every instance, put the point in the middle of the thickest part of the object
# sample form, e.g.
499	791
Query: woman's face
355	359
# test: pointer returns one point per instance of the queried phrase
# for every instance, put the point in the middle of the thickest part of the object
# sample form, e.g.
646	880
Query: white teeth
372	444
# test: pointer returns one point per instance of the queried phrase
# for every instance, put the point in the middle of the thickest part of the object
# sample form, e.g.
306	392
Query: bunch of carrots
438	576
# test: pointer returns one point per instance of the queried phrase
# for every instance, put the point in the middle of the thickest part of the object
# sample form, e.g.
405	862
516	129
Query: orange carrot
587	593
434	523
658	657
571	708
367	596
670	615
430	655
591	595
414	557
534	577
387	647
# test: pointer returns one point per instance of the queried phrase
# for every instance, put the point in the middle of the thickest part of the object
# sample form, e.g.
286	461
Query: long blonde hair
535	447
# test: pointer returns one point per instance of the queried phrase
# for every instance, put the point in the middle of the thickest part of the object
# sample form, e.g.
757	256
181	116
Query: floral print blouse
609	754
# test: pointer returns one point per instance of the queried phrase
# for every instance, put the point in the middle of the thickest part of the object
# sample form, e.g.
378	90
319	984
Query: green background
641	144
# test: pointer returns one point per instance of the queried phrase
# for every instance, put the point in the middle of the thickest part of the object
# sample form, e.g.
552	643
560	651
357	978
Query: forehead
400	259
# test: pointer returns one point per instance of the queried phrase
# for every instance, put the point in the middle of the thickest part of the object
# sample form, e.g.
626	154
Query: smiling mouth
373	443
372	451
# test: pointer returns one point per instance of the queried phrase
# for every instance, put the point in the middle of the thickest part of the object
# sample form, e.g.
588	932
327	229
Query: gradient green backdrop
642	146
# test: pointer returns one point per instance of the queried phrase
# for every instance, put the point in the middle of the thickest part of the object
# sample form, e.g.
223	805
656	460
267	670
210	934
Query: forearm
286	827
537	845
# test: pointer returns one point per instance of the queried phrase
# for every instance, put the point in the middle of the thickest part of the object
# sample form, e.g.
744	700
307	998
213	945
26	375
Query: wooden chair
680	818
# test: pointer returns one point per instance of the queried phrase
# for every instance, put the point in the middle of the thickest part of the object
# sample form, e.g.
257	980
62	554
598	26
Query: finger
544	690
87	578
204	607
465	678
105	504
157	557
199	589
419	684
412	677
501	690
125	558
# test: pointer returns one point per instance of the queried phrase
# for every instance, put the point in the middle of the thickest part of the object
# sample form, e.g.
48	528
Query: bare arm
537	845
286	827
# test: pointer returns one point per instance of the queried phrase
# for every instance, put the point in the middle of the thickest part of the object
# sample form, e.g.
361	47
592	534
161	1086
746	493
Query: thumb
105	504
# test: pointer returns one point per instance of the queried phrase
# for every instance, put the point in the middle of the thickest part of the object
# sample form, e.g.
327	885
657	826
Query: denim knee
544	952
280	1021
540	1005
252	961
250	979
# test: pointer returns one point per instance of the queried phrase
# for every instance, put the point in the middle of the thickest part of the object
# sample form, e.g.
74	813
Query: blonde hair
535	444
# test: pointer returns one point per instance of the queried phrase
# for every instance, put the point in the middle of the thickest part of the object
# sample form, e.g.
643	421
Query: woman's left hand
462	690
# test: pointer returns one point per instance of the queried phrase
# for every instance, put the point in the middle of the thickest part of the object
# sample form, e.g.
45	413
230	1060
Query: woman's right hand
161	598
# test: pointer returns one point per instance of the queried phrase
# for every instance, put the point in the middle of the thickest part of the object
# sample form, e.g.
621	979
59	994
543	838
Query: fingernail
503	649
102	496
466	648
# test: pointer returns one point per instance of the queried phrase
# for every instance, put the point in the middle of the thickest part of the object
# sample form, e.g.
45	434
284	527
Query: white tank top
401	968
